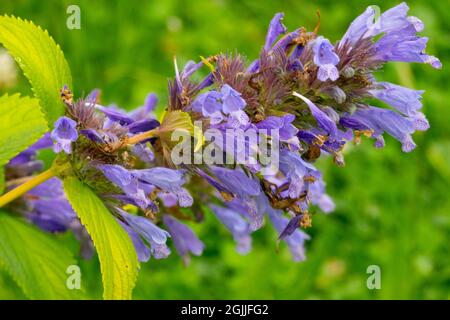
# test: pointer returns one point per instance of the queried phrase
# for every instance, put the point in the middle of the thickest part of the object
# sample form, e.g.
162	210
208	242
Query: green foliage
21	123
41	60
35	260
118	260
2	179
439	157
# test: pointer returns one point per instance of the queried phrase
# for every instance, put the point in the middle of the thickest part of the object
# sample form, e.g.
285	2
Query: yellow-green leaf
21	124
37	261
41	61
118	259
176	120
179	120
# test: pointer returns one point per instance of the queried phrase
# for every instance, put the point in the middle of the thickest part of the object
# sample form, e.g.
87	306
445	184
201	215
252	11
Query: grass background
392	208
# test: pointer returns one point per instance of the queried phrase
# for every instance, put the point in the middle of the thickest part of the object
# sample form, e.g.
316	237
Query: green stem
27	186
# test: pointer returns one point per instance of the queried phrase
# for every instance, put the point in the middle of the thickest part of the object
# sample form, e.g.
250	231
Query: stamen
306	220
316	29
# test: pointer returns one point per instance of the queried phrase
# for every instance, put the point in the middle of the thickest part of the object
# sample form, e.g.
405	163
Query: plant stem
140	137
27	186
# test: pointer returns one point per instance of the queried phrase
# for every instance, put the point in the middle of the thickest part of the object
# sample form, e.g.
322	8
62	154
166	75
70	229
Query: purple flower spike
144	153
420	122
115	114
287	131
232	100
295	241
92	135
320	198
216	118
286	42
152	234
391	20
93	96
239	228
143	252
136	184
150	102
266	166
50	209
184	238
290	227
189	68
212	103
383	120
398	41
405	100
276	28
295	170
216	184
238	119
326	59
127	182
142	125
237	181
168	199
323	120
366	25
359	27
404	48
167	180
64	133
29	154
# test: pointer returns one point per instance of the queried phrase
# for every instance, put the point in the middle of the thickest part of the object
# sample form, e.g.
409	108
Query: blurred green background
392	208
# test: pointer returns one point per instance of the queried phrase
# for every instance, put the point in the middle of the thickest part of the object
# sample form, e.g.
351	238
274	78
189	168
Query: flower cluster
308	95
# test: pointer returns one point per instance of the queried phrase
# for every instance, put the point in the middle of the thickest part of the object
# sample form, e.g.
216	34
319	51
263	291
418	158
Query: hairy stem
27	186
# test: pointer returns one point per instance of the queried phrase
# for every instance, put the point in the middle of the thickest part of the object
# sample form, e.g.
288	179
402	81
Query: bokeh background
392	208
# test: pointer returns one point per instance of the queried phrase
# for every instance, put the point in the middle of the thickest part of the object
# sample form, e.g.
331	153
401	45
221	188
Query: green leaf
118	259
36	261
41	61
21	123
